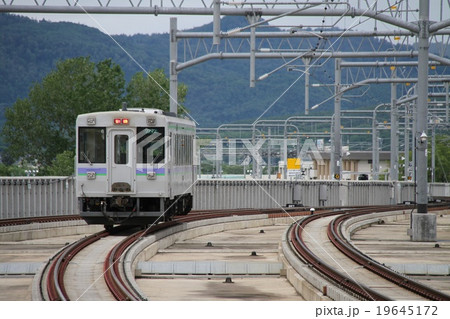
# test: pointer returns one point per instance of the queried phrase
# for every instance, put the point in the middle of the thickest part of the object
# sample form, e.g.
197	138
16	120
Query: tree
152	91
62	165
11	170
442	159
42	125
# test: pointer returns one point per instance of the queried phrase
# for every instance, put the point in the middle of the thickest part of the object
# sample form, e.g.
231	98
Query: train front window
91	145
150	145
121	149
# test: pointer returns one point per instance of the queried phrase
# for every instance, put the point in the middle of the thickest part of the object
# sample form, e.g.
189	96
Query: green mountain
218	90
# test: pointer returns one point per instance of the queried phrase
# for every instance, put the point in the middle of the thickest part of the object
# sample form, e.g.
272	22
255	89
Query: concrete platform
242	289
227	246
390	244
15	288
15	250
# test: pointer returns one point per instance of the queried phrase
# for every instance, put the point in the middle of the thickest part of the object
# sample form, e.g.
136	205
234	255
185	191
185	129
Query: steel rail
334	232
55	277
342	281
120	287
33	220
113	278
123	290
53	281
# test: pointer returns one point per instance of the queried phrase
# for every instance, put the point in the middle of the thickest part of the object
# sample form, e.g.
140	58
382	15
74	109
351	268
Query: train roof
147	111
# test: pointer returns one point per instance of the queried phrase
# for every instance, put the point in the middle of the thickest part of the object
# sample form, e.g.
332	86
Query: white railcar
134	166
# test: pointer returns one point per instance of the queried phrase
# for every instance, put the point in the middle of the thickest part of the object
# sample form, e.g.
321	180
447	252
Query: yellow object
293	163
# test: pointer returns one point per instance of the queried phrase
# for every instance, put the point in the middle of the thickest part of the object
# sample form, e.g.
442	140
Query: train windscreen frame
92	145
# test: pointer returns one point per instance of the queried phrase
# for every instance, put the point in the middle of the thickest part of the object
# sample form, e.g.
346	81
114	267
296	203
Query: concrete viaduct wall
48	196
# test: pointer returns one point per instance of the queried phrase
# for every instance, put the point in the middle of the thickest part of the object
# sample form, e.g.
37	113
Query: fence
215	194
37	196
50	196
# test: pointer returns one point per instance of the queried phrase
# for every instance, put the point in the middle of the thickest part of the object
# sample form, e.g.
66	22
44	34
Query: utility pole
394	130
375	149
253	18
307	61
337	156
433	153
407	161
216	22
423	224
173	66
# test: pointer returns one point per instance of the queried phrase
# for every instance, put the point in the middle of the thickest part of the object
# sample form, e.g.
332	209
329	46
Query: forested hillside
218	90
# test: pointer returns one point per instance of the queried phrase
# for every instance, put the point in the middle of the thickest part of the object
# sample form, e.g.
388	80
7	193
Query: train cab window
150	145
121	149
91	145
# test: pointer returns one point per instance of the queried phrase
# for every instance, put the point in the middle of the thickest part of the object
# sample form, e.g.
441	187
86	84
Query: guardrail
37	196
49	196
216	194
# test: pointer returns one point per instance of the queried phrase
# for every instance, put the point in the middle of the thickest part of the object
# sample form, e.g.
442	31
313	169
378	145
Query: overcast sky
126	24
149	24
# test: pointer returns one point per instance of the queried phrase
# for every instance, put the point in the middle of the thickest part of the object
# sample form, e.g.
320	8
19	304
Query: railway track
55	288
35	220
342	279
53	285
54	280
121	288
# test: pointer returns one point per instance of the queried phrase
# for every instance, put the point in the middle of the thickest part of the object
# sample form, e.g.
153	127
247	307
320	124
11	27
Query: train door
121	172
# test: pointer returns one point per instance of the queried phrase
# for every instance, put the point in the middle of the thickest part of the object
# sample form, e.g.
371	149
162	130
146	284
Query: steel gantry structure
408	26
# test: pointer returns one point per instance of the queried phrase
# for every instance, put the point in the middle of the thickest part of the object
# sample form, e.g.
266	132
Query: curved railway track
124	290
55	277
334	233
53	285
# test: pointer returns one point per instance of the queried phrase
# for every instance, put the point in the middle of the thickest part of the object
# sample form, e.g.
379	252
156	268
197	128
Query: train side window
121	149
177	150
191	150
91	145
184	148
180	149
150	145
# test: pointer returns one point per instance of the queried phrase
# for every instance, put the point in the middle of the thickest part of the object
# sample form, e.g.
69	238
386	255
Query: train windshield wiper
86	158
